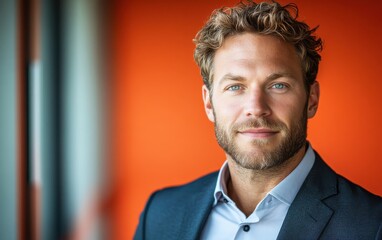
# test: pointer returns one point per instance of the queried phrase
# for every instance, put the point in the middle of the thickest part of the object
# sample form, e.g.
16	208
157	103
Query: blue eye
234	88
278	86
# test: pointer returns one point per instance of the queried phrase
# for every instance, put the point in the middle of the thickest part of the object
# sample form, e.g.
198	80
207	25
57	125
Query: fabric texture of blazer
327	206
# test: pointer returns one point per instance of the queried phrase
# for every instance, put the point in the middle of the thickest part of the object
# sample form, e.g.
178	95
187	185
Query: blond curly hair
265	18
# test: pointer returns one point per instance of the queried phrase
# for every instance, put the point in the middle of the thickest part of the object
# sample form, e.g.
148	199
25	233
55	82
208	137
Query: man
259	67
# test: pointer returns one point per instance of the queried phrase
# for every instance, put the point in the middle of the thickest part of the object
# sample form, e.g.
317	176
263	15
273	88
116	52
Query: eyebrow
272	76
231	77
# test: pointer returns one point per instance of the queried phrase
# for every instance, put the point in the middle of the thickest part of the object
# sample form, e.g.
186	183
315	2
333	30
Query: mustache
259	123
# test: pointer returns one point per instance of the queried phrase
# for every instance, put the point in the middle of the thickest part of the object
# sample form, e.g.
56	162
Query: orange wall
161	135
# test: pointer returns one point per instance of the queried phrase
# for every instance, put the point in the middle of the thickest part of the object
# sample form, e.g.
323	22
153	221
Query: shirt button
246	228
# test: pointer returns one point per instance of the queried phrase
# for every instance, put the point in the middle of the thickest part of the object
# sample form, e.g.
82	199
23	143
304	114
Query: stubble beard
292	141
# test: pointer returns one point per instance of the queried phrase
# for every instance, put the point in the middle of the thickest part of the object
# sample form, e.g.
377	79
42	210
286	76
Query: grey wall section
82	110
71	116
8	110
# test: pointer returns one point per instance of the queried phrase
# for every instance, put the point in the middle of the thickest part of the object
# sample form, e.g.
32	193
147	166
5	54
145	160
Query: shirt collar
285	191
221	184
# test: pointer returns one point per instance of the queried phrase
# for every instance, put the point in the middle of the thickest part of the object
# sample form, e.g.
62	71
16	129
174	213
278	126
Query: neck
247	187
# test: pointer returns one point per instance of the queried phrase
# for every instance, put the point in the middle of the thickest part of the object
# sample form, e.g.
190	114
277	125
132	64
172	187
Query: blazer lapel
308	215
198	208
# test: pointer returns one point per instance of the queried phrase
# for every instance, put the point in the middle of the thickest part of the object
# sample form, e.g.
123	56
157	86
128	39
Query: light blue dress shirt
226	221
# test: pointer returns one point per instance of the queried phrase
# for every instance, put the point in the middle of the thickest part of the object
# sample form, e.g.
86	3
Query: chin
258	159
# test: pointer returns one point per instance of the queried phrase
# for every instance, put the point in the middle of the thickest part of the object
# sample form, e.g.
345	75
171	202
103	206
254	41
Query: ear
208	104
314	98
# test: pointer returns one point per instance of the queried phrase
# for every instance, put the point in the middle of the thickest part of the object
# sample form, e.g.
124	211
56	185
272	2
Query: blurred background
100	104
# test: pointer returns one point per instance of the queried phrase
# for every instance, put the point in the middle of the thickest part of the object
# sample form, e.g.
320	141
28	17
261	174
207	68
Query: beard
292	141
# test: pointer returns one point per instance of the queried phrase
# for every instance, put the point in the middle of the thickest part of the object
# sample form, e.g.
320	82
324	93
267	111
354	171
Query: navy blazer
327	206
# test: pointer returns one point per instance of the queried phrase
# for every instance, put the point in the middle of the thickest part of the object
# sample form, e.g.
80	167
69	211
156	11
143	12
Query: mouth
258	132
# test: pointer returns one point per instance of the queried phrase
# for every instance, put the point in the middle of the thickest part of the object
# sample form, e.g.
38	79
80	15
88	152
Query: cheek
227	111
288	110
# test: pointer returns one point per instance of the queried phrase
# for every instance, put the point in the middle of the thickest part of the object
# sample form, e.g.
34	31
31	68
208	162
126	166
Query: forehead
255	54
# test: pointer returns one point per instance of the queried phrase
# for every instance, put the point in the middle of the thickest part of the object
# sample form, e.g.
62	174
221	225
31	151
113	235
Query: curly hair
266	18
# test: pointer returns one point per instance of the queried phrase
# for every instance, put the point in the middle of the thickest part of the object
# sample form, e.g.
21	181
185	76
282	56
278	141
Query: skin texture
260	107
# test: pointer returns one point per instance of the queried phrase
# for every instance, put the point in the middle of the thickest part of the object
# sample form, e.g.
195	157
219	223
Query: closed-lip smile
258	132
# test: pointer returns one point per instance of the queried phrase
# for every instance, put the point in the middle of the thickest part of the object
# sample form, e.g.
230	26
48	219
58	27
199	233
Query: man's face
258	102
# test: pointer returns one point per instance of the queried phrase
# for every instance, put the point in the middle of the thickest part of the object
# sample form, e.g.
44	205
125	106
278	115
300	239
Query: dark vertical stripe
21	120
52	78
58	108
24	211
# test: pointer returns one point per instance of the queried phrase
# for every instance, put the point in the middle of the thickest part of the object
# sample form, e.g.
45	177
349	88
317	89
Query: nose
257	104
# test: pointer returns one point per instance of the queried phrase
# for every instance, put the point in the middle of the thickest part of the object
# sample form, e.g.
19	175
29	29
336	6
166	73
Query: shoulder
364	202
354	208
344	193
177	193
178	198
167	209
347	210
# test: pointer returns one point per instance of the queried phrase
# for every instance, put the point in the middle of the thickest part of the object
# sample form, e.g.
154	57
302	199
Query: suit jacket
327	206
